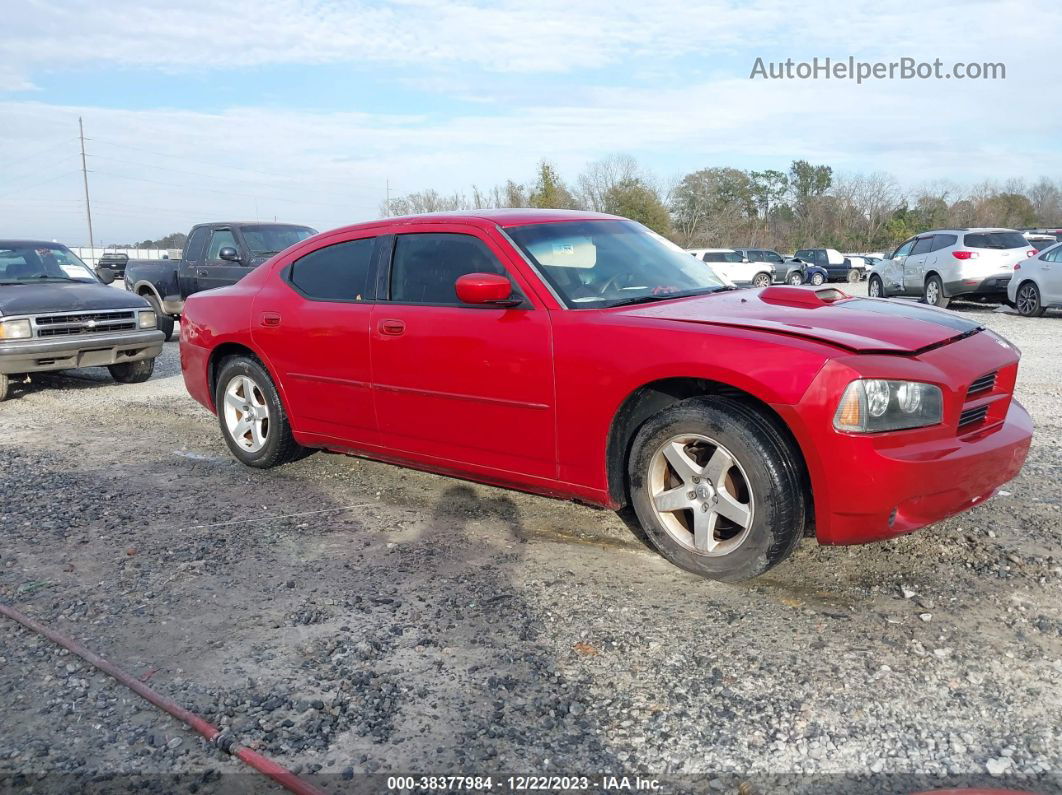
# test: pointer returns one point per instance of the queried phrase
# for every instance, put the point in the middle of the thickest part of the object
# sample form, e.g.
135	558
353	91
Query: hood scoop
802	296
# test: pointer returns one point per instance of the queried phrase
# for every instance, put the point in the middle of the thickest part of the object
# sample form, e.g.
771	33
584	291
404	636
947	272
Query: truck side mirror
107	276
230	254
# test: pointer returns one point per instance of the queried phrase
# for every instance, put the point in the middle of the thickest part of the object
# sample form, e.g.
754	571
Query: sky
307	110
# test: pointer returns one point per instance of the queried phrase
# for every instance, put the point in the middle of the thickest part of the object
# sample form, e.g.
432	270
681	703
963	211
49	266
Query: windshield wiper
649	299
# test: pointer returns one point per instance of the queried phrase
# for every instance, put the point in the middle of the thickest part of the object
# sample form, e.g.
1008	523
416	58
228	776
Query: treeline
174	240
808	205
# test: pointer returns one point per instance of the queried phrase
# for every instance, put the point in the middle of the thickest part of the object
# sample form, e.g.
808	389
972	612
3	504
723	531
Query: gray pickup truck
215	255
56	314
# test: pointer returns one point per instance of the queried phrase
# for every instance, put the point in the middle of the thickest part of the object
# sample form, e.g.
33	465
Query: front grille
985	383
974	415
85	323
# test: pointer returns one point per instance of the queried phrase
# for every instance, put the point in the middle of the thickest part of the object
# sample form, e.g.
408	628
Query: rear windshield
995	240
265	240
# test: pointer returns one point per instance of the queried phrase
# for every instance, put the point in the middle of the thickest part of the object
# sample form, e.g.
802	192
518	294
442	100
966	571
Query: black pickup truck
215	255
56	315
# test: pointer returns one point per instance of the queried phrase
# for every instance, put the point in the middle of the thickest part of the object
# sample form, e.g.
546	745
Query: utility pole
84	175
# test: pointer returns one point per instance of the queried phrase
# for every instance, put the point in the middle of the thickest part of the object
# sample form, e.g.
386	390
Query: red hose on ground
262	764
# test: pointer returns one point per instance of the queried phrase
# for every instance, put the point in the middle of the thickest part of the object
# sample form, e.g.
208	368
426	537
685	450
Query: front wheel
253	421
761	280
818	279
853	276
875	289
717	489
1029	303
5	386
132	372
796	278
933	293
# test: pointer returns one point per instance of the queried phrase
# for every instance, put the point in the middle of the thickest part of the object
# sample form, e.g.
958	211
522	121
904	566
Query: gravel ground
352	618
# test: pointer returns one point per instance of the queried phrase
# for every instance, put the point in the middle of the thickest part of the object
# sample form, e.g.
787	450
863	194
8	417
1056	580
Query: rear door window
1000	240
943	241
340	272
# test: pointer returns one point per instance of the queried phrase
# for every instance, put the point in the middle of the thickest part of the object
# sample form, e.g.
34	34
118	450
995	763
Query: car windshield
996	240
265	239
32	262
594	264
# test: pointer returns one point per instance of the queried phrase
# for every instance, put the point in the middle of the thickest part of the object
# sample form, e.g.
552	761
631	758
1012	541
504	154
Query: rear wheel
853	276
132	372
761	280
1028	301
933	292
875	289
796	278
163	323
252	418
716	489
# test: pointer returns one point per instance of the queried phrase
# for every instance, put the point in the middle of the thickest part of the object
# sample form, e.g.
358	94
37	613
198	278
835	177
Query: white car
951	263
1037	282
859	262
735	266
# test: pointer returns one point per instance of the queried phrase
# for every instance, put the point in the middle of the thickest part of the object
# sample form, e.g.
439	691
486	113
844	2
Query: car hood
865	325
35	299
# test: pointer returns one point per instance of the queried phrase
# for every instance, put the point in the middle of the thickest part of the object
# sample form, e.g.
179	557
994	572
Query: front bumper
80	350
993	285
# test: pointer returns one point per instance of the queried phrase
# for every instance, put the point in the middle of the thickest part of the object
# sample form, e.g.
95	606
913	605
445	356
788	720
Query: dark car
55	314
216	255
837	266
114	261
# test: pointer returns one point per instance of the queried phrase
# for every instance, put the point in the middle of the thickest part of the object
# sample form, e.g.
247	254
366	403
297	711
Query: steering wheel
613	283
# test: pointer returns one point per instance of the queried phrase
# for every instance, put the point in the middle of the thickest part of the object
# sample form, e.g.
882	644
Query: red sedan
584	357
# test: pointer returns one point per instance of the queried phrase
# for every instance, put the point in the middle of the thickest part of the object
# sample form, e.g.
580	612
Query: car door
453	382
1049	276
311	321
214	271
914	266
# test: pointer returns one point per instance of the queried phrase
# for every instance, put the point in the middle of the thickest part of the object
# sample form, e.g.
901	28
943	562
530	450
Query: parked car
945	264
580	356
215	255
859	262
55	314
777	267
838	267
735	266
800	272
1040	241
1037	282
114	261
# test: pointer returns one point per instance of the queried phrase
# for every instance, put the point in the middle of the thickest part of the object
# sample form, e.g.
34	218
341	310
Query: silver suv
951	263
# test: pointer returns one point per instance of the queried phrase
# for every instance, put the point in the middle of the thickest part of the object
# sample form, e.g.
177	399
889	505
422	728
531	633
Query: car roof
250	223
967	229
29	242
514	216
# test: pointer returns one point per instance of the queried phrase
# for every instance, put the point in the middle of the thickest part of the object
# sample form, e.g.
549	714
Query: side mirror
230	254
485	288
107	276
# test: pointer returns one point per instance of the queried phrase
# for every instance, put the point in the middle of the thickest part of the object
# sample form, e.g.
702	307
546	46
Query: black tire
795	279
280	446
5	387
817	279
875	287
163	323
761	280
933	292
132	372
1029	303
770	465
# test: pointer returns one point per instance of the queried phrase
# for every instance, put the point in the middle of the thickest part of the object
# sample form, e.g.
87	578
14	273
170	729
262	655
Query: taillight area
964	254
1032	252
1017	266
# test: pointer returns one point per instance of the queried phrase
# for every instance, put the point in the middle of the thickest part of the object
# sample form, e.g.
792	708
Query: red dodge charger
582	356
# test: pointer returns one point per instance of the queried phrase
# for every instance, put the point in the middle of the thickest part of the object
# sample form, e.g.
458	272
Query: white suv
1037	282
951	263
736	266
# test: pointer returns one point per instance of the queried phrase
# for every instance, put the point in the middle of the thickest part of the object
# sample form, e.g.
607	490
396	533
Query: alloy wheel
246	413
1028	301
701	495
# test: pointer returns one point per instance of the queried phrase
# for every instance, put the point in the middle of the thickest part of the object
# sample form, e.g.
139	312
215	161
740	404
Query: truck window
222	238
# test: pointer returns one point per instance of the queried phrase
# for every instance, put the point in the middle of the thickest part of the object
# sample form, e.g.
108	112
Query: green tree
633	199
550	190
808	181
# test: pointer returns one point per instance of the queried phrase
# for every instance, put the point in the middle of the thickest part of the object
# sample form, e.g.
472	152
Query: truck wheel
853	276
761	280
252	418
5	386
1029	303
717	489
875	288
132	372
163	323
933	293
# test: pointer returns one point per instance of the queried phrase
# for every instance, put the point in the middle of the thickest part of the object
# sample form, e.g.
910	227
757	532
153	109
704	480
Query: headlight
146	319
873	404
15	330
